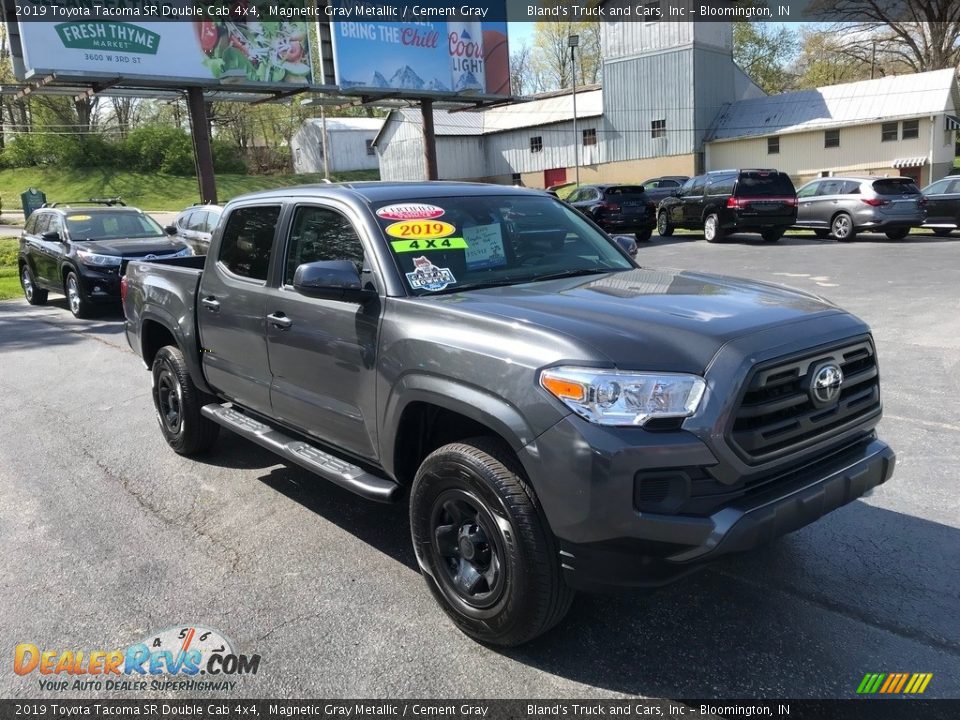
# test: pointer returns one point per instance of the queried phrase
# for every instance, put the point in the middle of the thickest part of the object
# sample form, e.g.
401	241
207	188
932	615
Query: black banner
859	709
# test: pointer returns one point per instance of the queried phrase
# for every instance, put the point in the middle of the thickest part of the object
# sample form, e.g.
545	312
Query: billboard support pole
429	139
202	151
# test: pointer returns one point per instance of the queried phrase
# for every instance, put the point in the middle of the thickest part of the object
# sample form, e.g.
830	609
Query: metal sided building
350	141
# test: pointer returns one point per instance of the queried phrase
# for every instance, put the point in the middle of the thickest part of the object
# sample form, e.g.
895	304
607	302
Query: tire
664	228
32	294
643	236
898	234
712	231
841	227
78	304
822	234
486	552
942	232
178	402
772	236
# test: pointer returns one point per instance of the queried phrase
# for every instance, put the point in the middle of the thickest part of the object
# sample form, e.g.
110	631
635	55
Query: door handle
279	320
211	303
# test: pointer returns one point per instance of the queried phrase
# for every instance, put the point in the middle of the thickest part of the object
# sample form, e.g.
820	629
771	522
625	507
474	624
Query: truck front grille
778	414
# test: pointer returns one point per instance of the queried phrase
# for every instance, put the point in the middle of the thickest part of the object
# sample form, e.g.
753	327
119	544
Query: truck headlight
96	260
611	397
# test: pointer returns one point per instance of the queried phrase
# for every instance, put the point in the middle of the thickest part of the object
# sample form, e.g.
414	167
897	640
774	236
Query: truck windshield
110	225
461	243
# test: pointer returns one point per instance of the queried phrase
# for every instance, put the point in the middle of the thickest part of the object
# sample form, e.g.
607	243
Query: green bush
227	157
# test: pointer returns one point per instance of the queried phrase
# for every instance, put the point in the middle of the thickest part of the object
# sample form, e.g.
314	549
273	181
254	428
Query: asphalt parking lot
106	535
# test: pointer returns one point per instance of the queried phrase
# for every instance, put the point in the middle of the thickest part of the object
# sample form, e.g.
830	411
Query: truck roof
378	191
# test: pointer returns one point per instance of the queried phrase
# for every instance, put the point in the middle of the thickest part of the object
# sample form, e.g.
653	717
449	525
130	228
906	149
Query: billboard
457	55
205	51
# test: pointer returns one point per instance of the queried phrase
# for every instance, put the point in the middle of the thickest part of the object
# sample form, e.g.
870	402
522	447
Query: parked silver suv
844	206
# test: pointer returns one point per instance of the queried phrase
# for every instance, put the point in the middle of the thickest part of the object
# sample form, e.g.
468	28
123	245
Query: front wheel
664	228
487	555
842	228
33	294
643	236
79	305
712	232
898	234
178	403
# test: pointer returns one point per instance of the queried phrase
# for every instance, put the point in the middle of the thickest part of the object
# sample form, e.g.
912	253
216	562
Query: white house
350	141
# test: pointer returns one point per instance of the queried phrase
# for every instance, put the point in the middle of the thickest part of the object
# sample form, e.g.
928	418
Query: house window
536	143
658	128
590	136
911	129
515	179
888	132
371	150
773	146
831	138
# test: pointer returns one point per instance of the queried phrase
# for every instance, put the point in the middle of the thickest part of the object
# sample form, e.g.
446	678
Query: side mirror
170	229
331	280
52	236
627	244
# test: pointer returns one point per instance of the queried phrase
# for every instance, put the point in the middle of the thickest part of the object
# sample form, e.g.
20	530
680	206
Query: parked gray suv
844	206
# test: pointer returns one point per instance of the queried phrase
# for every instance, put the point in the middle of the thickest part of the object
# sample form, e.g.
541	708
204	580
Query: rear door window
248	241
721	185
895	186
764	184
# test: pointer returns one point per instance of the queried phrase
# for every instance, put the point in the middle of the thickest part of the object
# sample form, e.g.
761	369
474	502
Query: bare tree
551	60
903	35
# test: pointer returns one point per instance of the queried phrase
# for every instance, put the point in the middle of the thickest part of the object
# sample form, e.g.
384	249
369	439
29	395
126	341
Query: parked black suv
617	208
727	201
81	252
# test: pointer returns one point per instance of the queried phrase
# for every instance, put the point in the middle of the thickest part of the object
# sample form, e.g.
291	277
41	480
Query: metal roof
888	98
545	110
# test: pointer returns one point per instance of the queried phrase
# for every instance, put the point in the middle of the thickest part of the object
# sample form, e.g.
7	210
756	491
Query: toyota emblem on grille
825	385
151	256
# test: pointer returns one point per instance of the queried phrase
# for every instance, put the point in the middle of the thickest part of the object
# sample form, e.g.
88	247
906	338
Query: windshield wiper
579	272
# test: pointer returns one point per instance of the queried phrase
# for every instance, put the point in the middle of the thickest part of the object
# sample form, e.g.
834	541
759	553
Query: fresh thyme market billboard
201	50
433	49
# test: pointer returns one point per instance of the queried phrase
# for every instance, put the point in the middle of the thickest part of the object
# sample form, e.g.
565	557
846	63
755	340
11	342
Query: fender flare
188	345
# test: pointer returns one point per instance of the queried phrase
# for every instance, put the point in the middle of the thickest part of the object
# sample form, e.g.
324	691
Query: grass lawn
9	280
147	191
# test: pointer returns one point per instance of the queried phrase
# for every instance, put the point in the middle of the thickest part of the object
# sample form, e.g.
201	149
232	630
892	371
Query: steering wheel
536	255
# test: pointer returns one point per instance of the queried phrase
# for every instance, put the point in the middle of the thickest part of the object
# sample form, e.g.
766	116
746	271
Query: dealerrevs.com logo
189	657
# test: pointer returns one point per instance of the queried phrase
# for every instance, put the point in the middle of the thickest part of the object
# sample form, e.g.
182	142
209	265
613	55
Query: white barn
350	140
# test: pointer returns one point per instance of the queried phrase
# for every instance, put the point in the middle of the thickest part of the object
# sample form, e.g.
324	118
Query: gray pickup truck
557	417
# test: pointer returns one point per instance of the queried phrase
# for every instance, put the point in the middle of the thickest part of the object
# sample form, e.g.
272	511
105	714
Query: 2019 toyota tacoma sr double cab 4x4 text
557	417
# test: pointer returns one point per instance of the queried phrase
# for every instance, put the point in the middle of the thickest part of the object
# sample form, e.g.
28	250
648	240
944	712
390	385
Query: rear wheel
178	403
772	235
33	294
712	232
664	228
487	554
823	234
643	236
842	228
898	234
79	305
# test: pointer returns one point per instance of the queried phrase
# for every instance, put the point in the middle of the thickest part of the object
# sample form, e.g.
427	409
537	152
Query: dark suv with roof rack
82	251
728	201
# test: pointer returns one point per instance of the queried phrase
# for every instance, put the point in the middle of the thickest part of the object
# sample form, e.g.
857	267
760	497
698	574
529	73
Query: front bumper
100	286
657	549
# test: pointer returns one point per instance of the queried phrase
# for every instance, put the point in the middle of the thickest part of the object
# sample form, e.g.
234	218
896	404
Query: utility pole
873	59
429	139
573	41
326	146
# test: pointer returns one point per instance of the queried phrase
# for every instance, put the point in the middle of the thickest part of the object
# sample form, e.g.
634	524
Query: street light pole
573	41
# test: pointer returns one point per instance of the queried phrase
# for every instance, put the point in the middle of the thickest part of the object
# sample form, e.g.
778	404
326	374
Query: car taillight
123	289
922	202
875	202
733	203
736	203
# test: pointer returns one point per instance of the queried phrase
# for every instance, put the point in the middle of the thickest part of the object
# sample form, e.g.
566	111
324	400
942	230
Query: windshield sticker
450	243
410	211
420	229
427	276
78	217
485	246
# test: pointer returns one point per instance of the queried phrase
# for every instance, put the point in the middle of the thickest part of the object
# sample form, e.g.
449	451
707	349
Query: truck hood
650	319
130	248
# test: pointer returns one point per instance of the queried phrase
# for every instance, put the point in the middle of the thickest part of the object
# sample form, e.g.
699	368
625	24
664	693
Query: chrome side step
341	472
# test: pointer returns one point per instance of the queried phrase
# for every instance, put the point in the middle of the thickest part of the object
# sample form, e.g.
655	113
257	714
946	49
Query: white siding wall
460	157
803	154
400	150
509	152
348	149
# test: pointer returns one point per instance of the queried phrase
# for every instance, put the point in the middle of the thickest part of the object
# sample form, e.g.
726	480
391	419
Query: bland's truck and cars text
557	417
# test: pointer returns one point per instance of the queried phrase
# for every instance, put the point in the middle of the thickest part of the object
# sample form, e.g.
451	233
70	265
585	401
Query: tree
910	36
764	52
550	58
